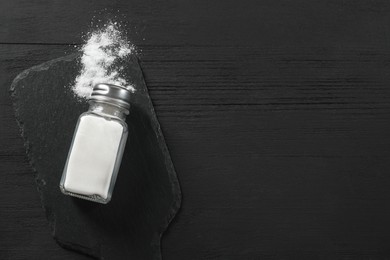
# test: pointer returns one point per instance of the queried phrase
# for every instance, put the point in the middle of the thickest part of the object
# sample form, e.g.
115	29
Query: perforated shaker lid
112	94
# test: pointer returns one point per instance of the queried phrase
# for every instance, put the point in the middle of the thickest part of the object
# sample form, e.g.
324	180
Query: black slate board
147	193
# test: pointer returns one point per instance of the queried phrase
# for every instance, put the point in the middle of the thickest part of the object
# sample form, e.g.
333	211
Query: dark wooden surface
276	114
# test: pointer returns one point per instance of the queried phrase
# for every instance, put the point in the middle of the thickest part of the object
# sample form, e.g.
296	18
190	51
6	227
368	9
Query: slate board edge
176	191
44	66
175	207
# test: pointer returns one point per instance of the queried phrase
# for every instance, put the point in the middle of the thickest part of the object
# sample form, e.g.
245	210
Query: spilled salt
101	52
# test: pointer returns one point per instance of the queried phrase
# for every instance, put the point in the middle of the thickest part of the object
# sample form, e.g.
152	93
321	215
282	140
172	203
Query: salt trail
102	51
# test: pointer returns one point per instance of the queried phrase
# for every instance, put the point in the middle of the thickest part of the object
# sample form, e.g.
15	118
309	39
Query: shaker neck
106	109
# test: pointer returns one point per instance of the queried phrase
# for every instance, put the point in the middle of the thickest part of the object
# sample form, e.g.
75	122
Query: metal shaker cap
113	94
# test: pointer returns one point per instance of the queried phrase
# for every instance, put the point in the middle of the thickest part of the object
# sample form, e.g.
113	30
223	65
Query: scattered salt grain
101	52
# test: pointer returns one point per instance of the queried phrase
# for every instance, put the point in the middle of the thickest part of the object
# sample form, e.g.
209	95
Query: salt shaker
98	144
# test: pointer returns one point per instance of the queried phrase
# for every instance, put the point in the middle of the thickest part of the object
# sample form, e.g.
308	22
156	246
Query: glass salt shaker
98	144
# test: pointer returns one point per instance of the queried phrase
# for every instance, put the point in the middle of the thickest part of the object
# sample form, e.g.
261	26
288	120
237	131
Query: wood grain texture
276	115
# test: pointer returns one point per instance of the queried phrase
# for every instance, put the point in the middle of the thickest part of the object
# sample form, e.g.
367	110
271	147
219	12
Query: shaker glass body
96	152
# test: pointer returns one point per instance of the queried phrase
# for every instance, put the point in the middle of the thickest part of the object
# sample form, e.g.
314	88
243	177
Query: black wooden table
276	114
